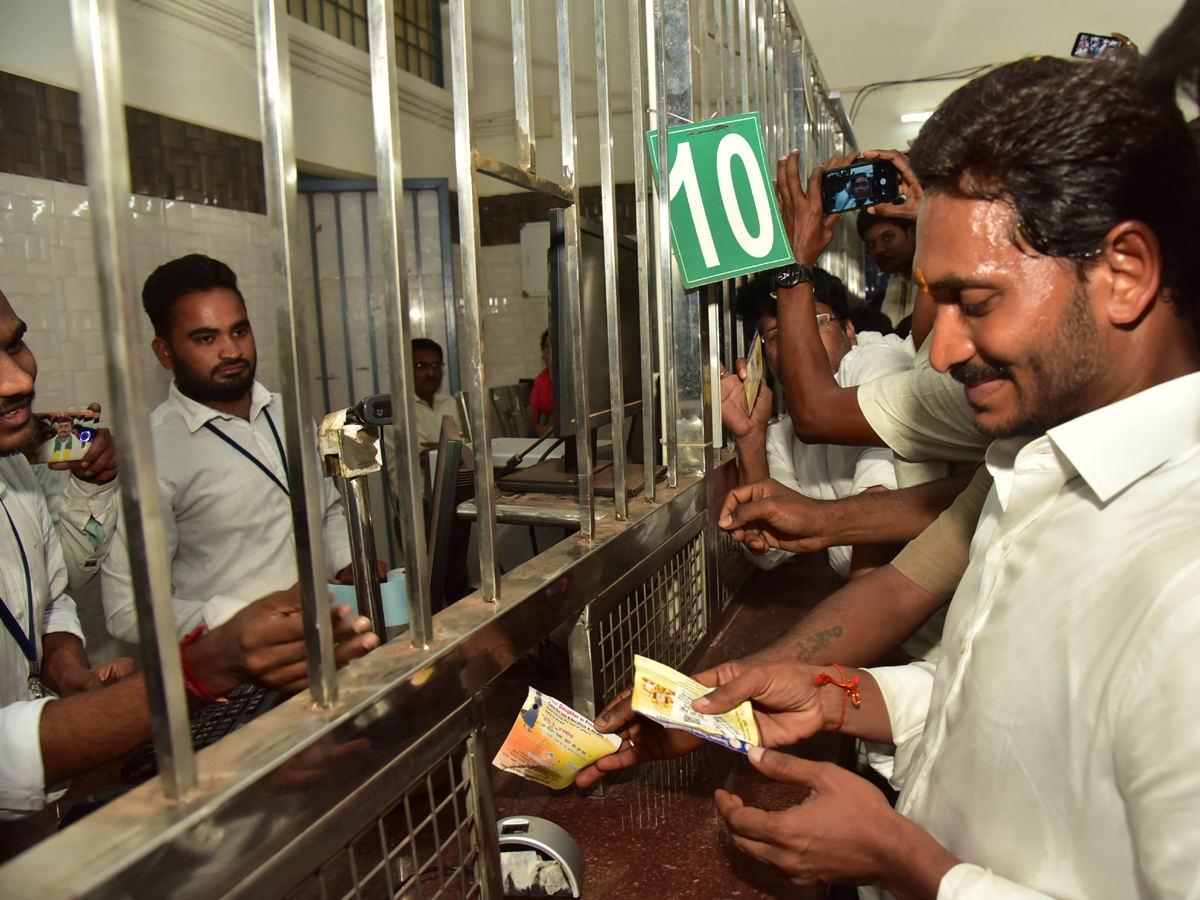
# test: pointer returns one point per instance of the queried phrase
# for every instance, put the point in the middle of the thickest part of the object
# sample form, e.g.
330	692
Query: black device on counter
866	182
1097	46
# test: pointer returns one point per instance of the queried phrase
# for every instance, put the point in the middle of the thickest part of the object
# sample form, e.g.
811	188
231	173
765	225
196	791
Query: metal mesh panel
663	618
422	848
733	569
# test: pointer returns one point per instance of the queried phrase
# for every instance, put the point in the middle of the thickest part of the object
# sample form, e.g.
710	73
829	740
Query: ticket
550	742
754	370
665	696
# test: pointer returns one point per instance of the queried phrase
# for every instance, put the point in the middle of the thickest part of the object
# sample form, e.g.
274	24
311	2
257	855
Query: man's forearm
822	411
84	731
857	624
889	517
752	458
64	662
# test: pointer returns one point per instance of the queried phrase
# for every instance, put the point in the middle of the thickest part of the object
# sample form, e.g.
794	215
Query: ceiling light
915	117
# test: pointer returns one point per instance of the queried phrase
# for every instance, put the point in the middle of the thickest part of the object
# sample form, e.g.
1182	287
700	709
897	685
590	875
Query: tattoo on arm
817	642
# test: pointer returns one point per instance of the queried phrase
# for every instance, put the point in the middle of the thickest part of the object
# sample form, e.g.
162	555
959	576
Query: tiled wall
48	274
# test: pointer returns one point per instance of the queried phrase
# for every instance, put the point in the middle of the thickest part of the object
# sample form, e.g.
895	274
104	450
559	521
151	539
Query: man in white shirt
220	458
821	471
55	720
1051	751
892	243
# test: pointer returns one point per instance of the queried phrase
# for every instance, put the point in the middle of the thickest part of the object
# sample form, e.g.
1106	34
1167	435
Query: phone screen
1096	46
868	182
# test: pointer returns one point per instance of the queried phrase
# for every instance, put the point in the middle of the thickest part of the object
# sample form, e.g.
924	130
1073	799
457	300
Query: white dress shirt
21	775
228	526
899	299
923	415
429	431
832	471
1056	741
86	517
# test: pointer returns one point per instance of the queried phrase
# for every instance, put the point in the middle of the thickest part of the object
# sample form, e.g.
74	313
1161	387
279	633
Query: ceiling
871	41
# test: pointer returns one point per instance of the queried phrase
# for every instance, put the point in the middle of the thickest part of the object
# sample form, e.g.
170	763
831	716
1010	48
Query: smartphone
867	182
1096	46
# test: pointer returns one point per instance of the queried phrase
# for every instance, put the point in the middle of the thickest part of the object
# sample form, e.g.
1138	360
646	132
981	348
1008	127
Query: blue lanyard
26	641
254	459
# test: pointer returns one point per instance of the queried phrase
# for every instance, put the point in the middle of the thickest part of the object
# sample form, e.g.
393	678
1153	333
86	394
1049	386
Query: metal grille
424	847
418	30
733	569
664	618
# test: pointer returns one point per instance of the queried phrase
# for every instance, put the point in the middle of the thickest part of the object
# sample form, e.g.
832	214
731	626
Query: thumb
749	684
742	371
744	513
788	769
94	407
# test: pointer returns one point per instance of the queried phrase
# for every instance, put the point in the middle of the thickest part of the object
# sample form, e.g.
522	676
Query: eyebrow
204	329
957	283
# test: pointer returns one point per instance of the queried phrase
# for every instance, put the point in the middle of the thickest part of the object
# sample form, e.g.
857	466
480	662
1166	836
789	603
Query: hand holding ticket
666	696
754	371
550	742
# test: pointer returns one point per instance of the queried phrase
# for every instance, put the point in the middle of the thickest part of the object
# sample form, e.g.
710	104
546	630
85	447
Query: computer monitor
595	324
562	475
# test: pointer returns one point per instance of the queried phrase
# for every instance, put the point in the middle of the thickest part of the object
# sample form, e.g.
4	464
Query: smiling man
220	458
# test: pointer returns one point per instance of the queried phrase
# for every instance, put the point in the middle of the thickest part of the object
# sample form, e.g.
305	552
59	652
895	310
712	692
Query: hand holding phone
910	189
809	230
863	183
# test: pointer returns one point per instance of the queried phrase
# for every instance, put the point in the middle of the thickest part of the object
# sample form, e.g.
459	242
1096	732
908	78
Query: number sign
724	218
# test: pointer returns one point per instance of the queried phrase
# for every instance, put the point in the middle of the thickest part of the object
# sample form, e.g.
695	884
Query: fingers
347	626
748	684
743	493
618	714
742	371
727	803
722	674
745	821
745	513
789	769
354	648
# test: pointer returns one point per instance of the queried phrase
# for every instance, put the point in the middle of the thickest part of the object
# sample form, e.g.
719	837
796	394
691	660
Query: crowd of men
1044	745
1010	489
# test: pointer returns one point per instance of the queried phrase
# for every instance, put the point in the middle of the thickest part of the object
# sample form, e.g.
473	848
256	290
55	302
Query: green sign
724	217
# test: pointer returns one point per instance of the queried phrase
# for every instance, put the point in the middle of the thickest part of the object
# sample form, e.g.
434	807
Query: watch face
790	276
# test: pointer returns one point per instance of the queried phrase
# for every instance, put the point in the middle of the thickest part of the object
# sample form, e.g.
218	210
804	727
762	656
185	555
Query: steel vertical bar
468	230
743	23
304	469
578	348
362	545
771	110
443	193
106	161
417	267
702	58
752	43
612	303
316	267
381	34
722	53
341	258
523	86
666	281
489	873
649	420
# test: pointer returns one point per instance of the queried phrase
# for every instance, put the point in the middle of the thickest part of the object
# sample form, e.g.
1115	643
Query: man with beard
219	452
892	243
58	717
1051	751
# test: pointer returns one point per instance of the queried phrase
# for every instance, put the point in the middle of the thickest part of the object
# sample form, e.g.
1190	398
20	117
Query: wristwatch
793	275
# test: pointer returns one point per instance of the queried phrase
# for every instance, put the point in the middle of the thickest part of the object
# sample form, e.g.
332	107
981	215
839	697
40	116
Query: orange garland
850	687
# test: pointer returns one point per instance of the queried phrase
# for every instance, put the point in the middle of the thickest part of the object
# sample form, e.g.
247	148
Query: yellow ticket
550	742
664	695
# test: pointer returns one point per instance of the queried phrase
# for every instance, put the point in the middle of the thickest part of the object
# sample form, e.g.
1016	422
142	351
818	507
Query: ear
163	353
1133	258
850	332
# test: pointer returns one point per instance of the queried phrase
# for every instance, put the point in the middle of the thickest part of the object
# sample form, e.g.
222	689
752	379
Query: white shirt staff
226	514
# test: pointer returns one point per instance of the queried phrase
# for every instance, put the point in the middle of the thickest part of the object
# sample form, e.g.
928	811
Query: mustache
234	364
974	373
12	404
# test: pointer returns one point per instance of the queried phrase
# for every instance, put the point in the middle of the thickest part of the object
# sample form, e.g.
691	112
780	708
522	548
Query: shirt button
966	642
20	613
1007	542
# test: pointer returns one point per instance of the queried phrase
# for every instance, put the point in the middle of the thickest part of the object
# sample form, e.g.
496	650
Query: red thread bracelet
194	685
850	687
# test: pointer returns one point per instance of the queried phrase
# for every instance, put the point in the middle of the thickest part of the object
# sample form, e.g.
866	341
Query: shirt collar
195	414
1118	444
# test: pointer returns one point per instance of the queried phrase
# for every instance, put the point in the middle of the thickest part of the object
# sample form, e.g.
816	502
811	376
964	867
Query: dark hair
1075	148
427	344
754	298
192	274
868	318
866	220
545	339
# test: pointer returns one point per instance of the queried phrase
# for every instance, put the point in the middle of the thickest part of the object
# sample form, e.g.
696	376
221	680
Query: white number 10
683	174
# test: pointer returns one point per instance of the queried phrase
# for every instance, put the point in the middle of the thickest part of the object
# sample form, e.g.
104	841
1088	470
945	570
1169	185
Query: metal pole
304	469
381	36
649	421
523	86
106	158
468	229
578	349
362	544
666	282
612	303
743	24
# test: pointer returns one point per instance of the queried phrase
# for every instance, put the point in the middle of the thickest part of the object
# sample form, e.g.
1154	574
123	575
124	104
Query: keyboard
209	725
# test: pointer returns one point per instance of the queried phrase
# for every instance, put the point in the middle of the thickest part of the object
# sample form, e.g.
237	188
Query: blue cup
395	598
